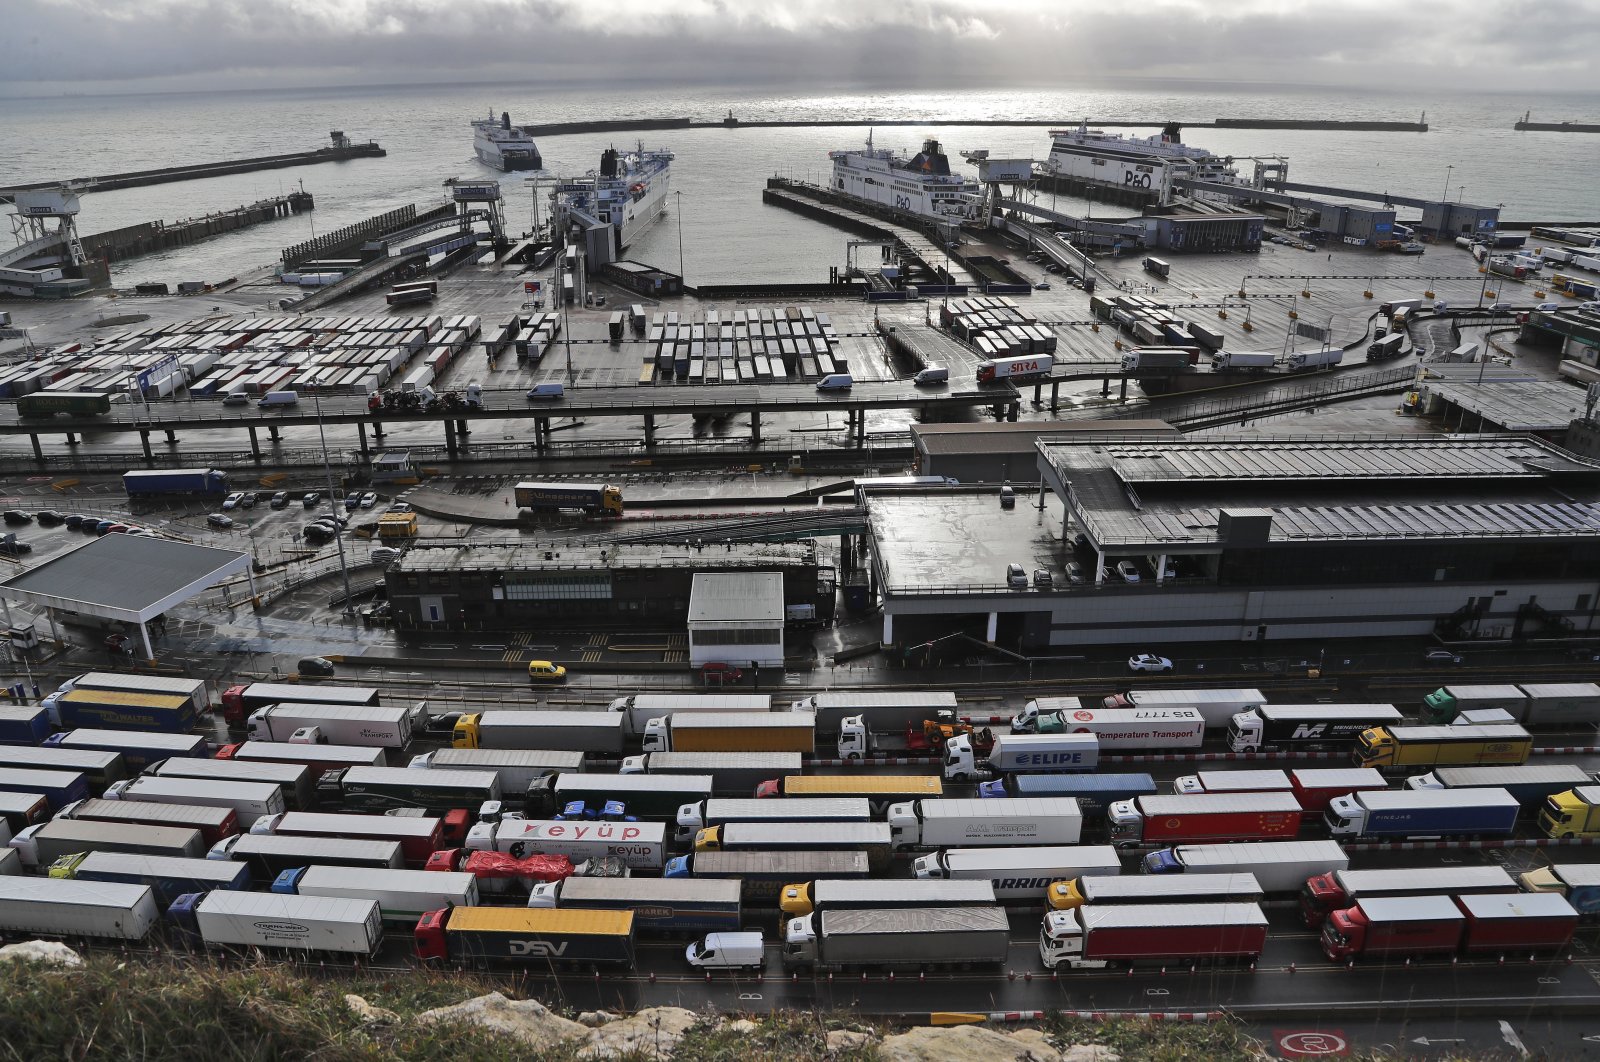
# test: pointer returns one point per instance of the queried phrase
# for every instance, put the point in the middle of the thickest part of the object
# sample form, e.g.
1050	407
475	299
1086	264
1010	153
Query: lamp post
327	470
1447	171
677	208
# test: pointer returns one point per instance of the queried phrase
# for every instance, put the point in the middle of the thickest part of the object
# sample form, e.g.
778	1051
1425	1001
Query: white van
836	381
933	374
276	399
547	391
726	951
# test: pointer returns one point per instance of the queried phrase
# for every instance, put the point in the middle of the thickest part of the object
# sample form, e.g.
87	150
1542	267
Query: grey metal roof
592	556
1534	405
125	576
1019	437
736	599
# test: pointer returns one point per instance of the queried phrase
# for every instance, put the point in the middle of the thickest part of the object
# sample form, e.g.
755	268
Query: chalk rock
1088	1053
652	1033
966	1043
49	952
595	1018
526	1019
366	1012
841	1040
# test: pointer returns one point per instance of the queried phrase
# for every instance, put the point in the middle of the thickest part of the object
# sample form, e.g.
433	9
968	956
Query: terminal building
1157	541
529	587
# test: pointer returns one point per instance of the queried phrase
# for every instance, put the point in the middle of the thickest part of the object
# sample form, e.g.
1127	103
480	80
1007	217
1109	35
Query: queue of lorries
515	845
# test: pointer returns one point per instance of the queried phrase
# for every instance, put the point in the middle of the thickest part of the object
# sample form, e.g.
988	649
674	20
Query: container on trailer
1264	781
418	836
1143	888
1578	882
646	796
320	758
167	876
1022	873
139	750
1093	792
731	732
947	823
1205	817
341	724
383	788
1315	786
214	823
1408	813
660	905
888	712
639	845
696	816
530	936
53	907
296	780
292	923
1338	889
403	895
935	936
1095	937
249	800
60	788
1419	747
41	845
518	769
1279	866
100	767
763	875
1311	727
269	855
598	733
640	708
731	773
802	898
1217	706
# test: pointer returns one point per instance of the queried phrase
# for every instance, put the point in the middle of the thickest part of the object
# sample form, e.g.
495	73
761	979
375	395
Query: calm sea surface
728	235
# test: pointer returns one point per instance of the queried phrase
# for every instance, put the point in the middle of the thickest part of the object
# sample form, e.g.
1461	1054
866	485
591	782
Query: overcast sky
93	46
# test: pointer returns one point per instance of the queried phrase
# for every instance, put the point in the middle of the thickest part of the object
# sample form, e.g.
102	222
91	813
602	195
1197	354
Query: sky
101	46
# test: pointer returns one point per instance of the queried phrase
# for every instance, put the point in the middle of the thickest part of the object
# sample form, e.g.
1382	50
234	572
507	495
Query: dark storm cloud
101	44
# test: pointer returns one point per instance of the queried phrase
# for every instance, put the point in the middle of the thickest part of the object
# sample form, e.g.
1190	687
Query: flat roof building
995	452
1249	538
736	618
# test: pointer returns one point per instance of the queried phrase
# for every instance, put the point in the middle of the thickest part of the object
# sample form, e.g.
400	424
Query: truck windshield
1310	900
1332	935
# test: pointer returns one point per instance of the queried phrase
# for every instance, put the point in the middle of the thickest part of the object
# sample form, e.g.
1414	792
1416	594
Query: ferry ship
922	185
628	192
1138	163
502	145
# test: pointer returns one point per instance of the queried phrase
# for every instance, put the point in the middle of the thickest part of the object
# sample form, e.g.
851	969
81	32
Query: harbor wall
137	178
626	124
149	237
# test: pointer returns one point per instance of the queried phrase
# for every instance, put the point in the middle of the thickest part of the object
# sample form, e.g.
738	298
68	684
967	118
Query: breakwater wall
149	237
631	124
194	171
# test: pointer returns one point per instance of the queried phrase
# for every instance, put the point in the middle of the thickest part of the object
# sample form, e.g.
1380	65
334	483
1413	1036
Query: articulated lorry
1012	753
1404	814
214	823
703	814
645	796
99	767
1572	813
640	708
402	895
880	790
239	701
597	733
1528	783
167	876
731	773
639	845
295	780
957	823
102	910
907	937
1217	706
123	710
385	788
802	898
519	769
763	875
339	724
1095	793
1116	729
1116	934
882	712
1278	866
873	838
160	685
1578	882
1263	781
660	906
144	483
600	499
1018	874
1314	787
249	801
1411	748
1338	889
307	924
1306	727
418	836
41	845
1205	817
1143	889
535	937
731	732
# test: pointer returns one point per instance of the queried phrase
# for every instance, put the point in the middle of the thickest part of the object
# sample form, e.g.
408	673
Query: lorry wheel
853	757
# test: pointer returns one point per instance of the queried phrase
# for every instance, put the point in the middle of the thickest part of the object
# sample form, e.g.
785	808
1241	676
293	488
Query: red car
716	674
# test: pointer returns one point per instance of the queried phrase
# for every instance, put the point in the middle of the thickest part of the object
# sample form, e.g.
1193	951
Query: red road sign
1319	1043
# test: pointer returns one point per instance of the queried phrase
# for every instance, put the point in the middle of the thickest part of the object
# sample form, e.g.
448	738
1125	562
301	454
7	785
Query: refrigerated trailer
1530	784
402	895
239	701
1093	792
1309	727
295	780
1119	729
383	788
418	836
100	767
167	876
696	816
41	845
320	758
249	800
214	823
1217	706
309	924
139	750
948	823
519	769
1336	890
1022	873
340	724
269	855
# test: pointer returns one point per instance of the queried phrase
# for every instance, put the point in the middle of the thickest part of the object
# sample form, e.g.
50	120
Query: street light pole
1447	171
327	470
678	209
